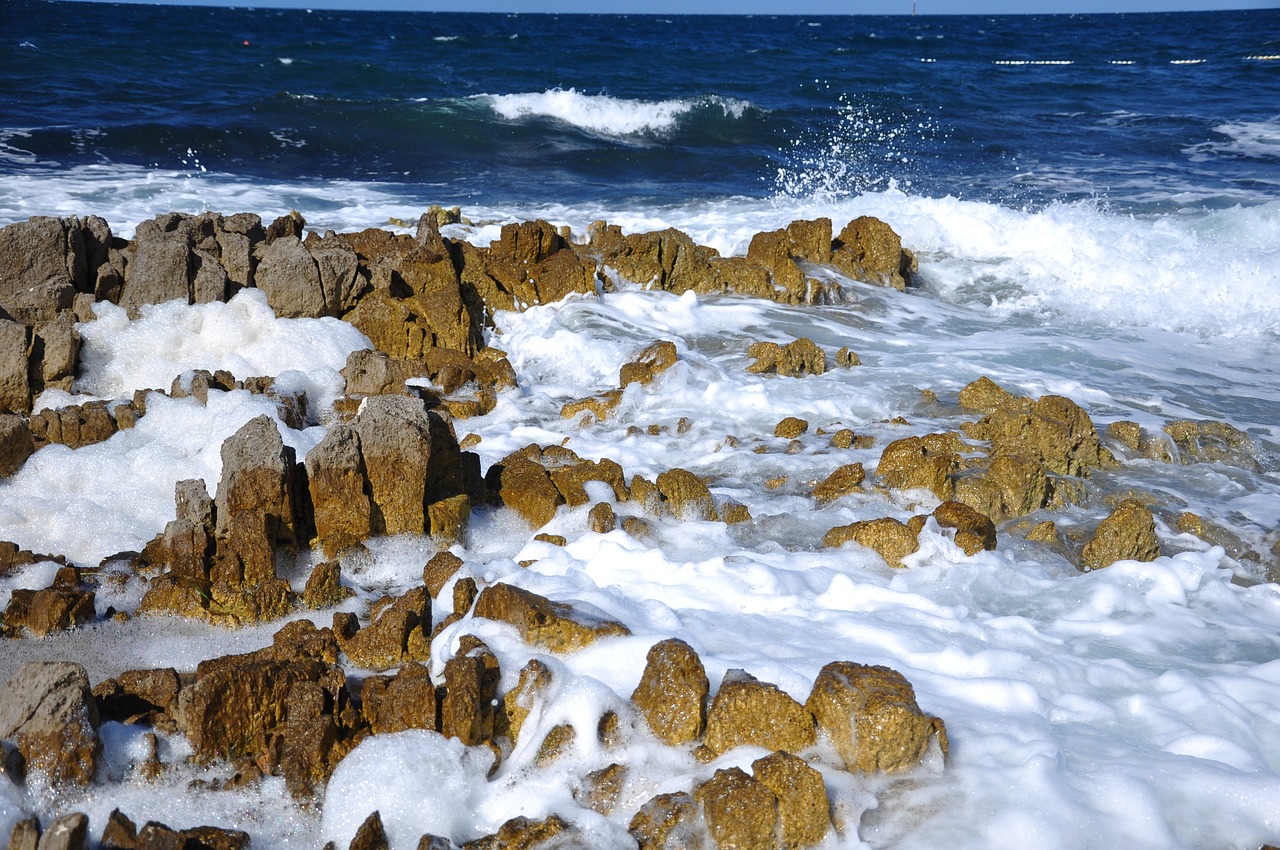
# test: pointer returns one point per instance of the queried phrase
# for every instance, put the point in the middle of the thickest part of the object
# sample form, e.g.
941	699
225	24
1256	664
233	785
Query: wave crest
607	116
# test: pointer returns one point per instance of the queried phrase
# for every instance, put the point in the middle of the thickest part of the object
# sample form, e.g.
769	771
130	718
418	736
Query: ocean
1094	203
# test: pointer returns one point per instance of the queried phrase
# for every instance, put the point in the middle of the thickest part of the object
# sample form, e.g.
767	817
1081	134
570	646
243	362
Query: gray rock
16	444
66	833
48	710
15	387
288	275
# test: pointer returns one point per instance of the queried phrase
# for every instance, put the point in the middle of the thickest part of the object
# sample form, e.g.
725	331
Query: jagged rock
890	538
1054	431
48	710
138	694
846	479
974	530
748	711
436	574
985	396
1127	434
518	703
371	835
872	718
601	789
645	367
324	586
740	812
553	625
672	694
1129	533
522	833
1213	442
290	278
45	260
804	810
570	479
1011	486
174	256
685	496
669	821
600	405
16	444
120	833
398	633
75	426
53	609
795	359
340	490
255	505
602	518
371	372
847	359
68	832
522	482
468	710
868	250
55	348
791	427
558	741
927	463
15	384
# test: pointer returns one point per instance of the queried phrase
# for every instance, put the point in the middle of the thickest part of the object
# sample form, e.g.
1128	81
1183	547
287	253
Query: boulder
645	367
974	530
891	539
868	250
519	702
138	695
1054	431
672	694
601	789
468	710
804	810
685	496
521	481
340	491
68	832
553	625
55	349
53	609
324	587
746	711
791	427
740	812
44	261
986	396
25	834
74	426
600	405
926	463
1213	442
1127	534
288	275
1011	486
522	833
871	716
795	359
15	384
846	479
669	821
371	835
436	574
16	444
398	634
48	710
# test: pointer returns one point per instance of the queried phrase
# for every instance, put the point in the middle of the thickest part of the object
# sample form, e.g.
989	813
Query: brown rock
847	359
25	834
1127	434
398	633
773	250
685	496
287	273
518	703
600	789
324	587
571	479
54	609
15	385
553	625
871	716
339	485
748	711
1213	442
868	250
521	482
16	443
404	701
600	405
652	361
522	833
795	359
47	709
442	567
974	530
672	694
986	396
890	538
371	835
741	813
558	741
927	463
791	427
670	822
804	810
138	694
844	480
1129	533
1054	431
602	518
68	832
468	710
120	833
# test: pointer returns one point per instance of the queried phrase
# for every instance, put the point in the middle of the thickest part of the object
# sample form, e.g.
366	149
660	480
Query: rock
15	384
54	609
669	821
16	444
600	405
804	810
553	625
55	349
986	396
974	530
645	367
287	273
795	359
519	702
404	701
45	260
68	832
47	709
75	426
1054	431
522	483
890	538
846	479
255	505
847	359
1128	534
777	251
339	488
926	463
371	372
1213	442
868	250
398	634
571	479
740	812
746	711
601	789
872	718
522	833
672	694
1127	434
1012	486
120	833
138	694
468	710
558	741
371	835
324	587
442	567
685	496
601	518
791	427
25	834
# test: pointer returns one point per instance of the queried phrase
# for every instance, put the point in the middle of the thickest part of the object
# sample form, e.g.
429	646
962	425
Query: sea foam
608	116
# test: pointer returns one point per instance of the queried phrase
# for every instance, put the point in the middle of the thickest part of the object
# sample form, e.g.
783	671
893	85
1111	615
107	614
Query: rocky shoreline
296	708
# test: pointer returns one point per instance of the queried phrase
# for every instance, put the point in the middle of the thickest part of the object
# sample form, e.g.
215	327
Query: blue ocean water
1144	111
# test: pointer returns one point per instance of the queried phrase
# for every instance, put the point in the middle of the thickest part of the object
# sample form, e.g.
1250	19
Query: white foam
605	115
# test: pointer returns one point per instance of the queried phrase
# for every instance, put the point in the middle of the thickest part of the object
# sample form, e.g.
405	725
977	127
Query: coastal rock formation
553	625
47	710
748	711
672	694
892	539
795	359
1128	533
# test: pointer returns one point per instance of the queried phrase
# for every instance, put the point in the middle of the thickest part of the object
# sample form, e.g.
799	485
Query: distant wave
609	116
1249	139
